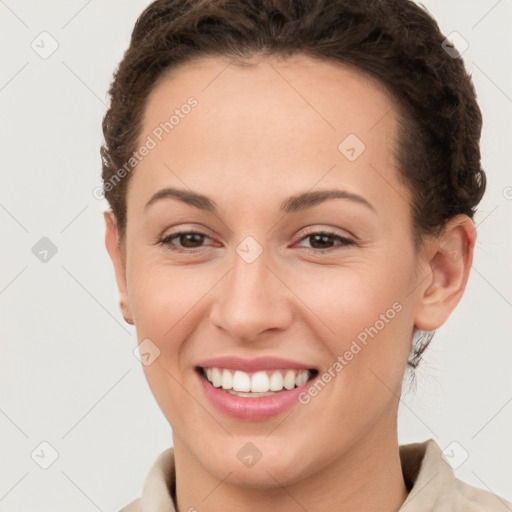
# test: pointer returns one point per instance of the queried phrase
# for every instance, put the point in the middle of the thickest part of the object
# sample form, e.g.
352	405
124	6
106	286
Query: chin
256	464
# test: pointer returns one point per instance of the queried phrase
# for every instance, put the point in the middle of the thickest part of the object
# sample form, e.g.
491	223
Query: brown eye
325	241
321	241
185	241
191	239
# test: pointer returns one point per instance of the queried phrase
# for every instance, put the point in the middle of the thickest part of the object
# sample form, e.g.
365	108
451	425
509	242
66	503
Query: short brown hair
394	41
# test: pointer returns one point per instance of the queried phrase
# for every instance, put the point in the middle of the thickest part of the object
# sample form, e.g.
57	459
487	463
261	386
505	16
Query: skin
261	134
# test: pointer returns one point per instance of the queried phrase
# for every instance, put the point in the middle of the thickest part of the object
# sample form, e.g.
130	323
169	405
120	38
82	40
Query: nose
251	300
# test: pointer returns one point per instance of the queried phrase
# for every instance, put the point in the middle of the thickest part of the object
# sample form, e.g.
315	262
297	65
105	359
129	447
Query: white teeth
260	383
216	377
251	395
241	381
276	382
301	378
227	379
289	379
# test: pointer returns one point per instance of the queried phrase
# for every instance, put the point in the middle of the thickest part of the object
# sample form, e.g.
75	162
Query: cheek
163	298
166	303
349	300
366	325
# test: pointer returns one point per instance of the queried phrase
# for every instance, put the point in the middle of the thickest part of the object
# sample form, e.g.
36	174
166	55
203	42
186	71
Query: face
289	287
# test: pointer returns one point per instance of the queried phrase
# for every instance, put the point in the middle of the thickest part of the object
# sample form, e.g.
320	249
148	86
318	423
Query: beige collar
427	475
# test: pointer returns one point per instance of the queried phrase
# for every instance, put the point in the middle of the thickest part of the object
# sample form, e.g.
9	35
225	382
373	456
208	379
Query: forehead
280	122
286	96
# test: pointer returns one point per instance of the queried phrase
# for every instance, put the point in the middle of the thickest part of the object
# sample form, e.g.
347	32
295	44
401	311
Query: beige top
429	478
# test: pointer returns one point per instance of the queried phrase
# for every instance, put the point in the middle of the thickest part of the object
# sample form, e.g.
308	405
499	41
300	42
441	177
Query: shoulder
473	499
433	486
134	506
157	489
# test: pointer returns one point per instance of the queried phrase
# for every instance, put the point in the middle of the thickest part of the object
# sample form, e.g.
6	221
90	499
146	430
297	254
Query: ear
114	250
449	257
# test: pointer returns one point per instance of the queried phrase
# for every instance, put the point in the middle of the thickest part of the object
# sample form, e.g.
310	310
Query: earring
124	309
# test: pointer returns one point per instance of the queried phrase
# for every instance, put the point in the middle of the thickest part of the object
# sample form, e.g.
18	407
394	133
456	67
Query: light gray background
68	373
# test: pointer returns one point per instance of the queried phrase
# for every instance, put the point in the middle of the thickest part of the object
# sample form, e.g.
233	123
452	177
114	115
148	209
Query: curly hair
394	41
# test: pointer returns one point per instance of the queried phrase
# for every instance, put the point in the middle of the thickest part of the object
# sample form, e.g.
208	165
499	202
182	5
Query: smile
256	384
253	390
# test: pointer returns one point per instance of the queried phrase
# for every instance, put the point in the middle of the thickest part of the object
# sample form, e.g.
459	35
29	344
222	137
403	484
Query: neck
366	477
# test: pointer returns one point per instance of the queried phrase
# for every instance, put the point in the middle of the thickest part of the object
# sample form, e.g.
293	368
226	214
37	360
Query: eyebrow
292	204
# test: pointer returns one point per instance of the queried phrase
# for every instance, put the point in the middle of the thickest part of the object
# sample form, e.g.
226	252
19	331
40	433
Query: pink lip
252	365
253	409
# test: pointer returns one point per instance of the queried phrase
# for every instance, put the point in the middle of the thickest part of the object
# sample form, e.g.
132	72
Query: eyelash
166	241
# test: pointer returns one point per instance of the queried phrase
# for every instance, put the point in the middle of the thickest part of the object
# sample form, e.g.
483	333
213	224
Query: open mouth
256	384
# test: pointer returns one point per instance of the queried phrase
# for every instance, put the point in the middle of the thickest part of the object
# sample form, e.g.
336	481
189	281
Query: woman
292	187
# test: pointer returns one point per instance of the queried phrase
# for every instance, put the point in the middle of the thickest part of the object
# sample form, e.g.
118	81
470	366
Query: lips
254	389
